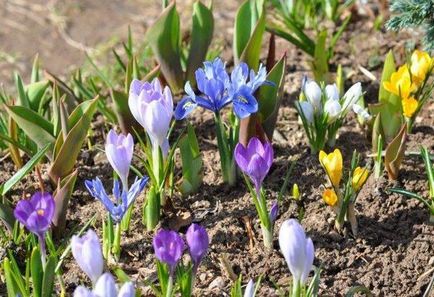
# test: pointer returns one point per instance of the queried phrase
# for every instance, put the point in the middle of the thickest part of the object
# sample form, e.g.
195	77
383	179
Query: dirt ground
394	251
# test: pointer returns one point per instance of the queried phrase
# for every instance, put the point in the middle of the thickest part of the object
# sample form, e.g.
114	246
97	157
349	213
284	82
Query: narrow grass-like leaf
37	272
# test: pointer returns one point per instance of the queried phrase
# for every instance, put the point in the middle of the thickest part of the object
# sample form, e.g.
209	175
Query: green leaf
358	289
65	159
191	162
7	216
320	65
270	96
35	69
11	286
123	113
395	153
388	68
164	39
24	170
412	195
49	275
391	119
71	100
36	127
429	170
252	50
63	193
35	93
37	272
23	100
201	36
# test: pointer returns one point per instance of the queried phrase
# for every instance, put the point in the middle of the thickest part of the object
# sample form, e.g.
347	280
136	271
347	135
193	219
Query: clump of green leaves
413	14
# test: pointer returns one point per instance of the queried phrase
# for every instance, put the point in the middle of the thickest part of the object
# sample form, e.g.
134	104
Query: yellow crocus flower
400	83
359	177
421	64
329	196
409	106
333	164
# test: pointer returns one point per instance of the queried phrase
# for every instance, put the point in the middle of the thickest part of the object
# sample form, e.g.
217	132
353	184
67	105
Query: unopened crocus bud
297	249
329	196
332	92
352	96
152	107
88	255
119	151
168	247
360	111
333	165
255	160
421	64
360	176
127	290
333	110
306	111
274	212
250	289
105	286
409	106
295	192
198	242
81	291
313	94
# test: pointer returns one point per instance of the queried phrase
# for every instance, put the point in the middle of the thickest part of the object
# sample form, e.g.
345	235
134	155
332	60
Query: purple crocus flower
297	249
198	242
274	211
37	214
255	160
119	151
169	247
123	199
152	107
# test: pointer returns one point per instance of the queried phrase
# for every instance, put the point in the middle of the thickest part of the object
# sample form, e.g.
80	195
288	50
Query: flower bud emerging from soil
198	242
329	197
297	249
88	254
360	176
119	150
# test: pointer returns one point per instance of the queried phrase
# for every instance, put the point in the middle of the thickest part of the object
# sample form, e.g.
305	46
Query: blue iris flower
218	89
123	199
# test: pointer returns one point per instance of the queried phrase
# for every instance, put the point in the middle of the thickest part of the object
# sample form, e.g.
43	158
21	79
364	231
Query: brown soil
395	245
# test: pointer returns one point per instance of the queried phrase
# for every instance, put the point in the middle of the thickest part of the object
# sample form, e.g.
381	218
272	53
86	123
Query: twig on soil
226	267
250	233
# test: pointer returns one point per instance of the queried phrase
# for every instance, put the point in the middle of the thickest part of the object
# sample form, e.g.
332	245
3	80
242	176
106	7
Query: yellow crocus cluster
359	177
332	164
407	79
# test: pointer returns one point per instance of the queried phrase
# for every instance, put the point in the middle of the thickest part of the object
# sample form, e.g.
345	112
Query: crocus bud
81	291
37	213
254	160
361	112
313	93
274	211
329	196
306	111
152	107
88	255
105	286
421	64
352	96
333	109
250	289
332	164
198	242
295	192
297	249
127	290
332	92
409	106
119	150
360	176
168	247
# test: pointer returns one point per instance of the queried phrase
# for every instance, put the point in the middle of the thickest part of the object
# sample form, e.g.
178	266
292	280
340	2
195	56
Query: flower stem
169	286
116	249
226	154
267	237
296	288
41	240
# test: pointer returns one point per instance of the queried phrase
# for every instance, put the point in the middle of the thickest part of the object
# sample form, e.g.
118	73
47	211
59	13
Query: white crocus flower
332	92
306	111
351	97
333	109
312	91
361	112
